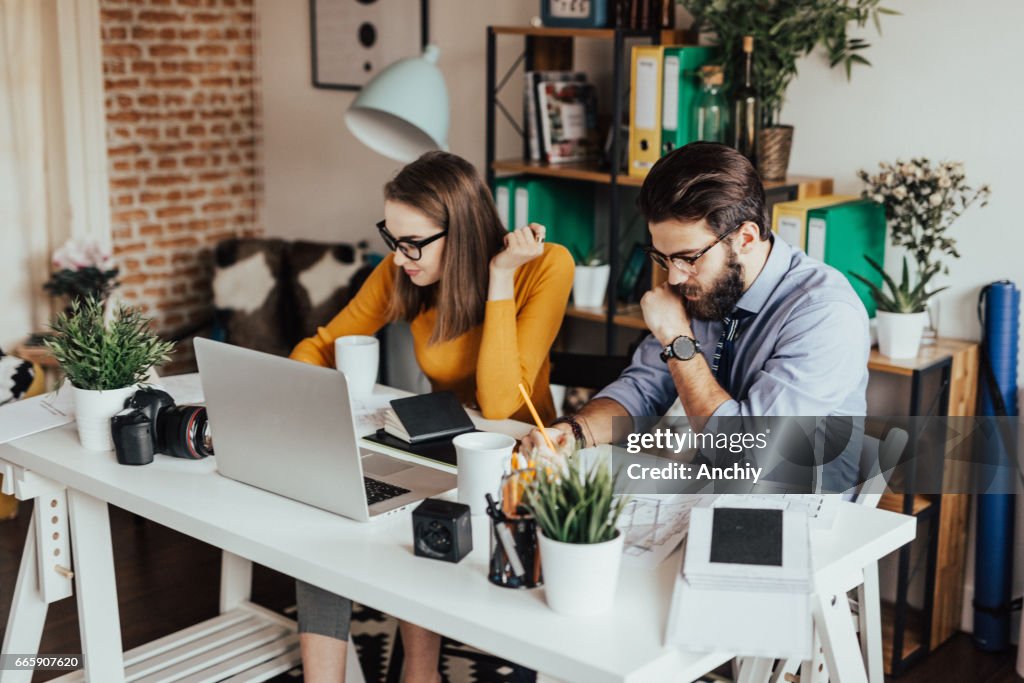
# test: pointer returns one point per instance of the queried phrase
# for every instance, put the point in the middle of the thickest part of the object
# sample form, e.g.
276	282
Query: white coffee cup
483	459
357	357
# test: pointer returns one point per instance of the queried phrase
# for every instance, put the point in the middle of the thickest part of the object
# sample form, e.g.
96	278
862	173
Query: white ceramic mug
483	459
357	357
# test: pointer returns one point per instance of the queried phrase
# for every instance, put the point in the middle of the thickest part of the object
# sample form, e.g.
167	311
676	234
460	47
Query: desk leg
869	603
755	670
235	581
98	614
834	624
28	610
813	670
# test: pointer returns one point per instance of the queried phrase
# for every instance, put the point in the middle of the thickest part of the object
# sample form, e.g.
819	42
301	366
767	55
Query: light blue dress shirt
801	351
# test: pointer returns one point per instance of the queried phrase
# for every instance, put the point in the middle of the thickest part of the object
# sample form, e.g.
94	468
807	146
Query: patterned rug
373	633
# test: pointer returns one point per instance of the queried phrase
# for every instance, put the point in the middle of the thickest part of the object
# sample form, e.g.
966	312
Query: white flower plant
922	200
82	269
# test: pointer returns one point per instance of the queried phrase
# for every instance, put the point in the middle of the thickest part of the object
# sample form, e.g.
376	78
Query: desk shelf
248	643
942	518
893	502
913	646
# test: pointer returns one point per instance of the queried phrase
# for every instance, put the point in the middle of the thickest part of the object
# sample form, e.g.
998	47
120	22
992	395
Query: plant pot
773	146
899	334
580	579
589	285
93	410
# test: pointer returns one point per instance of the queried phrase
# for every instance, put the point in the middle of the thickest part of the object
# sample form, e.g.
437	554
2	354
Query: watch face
684	348
570	9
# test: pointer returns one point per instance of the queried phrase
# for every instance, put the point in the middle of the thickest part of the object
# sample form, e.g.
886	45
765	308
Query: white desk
372	563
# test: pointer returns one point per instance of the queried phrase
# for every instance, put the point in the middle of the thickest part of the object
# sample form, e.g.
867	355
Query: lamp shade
403	112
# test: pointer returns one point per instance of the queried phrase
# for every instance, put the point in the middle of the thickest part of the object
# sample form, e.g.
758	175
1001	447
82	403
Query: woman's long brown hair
447	190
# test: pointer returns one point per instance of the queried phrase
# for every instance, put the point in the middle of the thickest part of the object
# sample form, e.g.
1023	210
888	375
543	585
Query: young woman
484	306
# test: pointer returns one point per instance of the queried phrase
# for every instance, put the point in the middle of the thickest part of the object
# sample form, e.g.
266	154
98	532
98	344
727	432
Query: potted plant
783	32
105	362
590	279
580	547
922	200
901	313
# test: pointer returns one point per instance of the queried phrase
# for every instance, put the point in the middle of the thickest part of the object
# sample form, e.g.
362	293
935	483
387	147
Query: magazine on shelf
568	117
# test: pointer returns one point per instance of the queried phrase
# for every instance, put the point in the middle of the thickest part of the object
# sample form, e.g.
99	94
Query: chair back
877	457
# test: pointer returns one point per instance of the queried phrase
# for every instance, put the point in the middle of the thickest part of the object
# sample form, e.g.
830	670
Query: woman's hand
521	246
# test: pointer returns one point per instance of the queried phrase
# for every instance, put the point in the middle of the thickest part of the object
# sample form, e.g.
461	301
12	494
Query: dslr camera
152	423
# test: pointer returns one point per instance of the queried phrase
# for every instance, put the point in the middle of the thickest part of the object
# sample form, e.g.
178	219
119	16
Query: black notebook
427	417
439	450
746	536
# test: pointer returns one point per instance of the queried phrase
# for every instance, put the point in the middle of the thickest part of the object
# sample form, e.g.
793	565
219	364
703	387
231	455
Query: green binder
564	207
842	235
681	88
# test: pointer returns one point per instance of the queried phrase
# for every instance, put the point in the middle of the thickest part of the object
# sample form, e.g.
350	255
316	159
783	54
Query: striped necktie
721	362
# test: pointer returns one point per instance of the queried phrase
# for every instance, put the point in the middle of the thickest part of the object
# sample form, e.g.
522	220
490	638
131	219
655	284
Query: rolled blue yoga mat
999	309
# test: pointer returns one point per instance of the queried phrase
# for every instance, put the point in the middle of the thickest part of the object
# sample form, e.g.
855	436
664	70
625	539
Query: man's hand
560	434
664	314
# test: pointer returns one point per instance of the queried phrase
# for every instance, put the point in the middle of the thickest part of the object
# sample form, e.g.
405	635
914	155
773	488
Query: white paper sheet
39	413
655	525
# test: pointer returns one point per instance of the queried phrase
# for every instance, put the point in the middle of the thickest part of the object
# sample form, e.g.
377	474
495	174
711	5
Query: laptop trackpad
383	466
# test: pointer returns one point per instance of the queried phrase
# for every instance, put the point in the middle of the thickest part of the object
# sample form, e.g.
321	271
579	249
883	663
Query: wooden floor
167	581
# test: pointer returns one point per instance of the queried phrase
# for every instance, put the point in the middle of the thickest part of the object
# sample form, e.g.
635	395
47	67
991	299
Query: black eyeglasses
410	248
685	262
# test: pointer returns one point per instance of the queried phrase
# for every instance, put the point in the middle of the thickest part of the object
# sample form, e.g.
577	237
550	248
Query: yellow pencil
536	418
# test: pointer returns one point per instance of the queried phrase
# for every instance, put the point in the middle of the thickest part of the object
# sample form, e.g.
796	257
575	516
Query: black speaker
441	530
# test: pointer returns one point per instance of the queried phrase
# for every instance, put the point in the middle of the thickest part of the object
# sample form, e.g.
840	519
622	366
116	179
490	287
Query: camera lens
186	432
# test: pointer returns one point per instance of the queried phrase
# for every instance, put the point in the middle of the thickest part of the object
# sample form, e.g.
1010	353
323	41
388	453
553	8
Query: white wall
942	85
319	181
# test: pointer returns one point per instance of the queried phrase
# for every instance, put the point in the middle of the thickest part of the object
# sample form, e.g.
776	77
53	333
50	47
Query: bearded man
746	325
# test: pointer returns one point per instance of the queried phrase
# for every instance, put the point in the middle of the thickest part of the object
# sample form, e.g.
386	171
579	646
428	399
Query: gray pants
322	612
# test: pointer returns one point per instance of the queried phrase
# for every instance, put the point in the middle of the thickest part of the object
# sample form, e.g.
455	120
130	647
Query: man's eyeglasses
410	248
685	262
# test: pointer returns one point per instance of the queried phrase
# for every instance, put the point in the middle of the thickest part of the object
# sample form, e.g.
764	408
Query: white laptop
287	427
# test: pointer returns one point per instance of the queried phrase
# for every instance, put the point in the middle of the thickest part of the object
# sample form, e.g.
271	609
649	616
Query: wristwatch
681	348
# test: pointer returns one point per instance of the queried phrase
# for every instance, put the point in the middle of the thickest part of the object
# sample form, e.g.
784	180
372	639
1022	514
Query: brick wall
182	134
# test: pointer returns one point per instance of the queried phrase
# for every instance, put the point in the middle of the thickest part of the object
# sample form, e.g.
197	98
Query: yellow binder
645	108
789	219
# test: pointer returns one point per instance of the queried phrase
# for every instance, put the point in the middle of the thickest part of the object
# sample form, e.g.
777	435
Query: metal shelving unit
552	49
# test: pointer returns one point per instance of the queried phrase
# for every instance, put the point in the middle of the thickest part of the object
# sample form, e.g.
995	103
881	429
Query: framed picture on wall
353	40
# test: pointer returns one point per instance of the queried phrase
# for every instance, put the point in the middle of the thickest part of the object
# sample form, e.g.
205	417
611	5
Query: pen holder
515	553
520	535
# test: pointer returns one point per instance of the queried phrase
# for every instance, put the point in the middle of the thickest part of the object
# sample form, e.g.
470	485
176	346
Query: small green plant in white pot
590	279
901	312
104	361
580	547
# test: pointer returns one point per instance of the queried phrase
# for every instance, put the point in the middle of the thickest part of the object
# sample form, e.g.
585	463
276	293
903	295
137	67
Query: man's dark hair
704	180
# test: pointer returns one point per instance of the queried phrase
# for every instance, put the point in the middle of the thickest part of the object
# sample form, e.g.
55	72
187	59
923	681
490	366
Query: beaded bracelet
577	430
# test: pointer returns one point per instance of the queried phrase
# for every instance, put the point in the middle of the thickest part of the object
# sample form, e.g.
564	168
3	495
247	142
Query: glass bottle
746	107
712	108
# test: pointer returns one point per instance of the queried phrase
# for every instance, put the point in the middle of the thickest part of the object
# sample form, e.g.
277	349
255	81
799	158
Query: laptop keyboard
377	491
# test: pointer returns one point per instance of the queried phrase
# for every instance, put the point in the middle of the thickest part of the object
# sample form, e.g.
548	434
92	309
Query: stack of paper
754	549
745	583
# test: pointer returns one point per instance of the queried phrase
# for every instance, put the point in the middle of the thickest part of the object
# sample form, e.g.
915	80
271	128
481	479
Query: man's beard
719	299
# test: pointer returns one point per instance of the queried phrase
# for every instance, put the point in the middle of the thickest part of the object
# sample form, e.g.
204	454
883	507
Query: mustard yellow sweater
484	365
